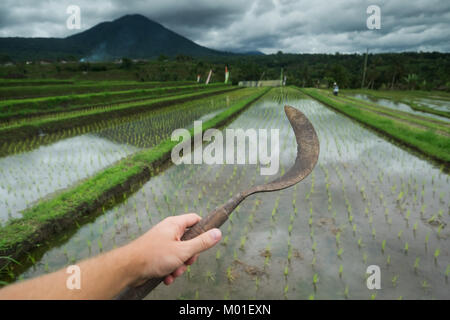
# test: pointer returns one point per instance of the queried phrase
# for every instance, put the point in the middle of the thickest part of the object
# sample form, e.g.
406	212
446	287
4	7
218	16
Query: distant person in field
335	89
157	253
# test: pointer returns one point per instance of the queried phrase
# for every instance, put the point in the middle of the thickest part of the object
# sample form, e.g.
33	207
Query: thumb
203	242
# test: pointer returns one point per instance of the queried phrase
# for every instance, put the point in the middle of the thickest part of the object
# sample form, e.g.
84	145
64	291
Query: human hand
160	252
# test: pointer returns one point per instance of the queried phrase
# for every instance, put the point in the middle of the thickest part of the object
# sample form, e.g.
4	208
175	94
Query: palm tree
411	80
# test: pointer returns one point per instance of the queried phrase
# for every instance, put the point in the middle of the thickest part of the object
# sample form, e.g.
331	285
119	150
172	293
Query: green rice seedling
225	240
313	262
400	233
394	280
315	279
388	260
218	254
360	243
314	246
286	271
365	257
210	276
416	264
338	238
406	247
383	246
266	261
422	209
427	238
374	233
415	227
100	245
243	240
373	296
286	289
311	296
440	229
437	252
230	276
188	272
447	271
425	284
289	257
408	214
339	253
341	270
394	188
346	292
432	219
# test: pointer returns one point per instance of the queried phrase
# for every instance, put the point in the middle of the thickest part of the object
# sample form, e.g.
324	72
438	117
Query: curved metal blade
308	149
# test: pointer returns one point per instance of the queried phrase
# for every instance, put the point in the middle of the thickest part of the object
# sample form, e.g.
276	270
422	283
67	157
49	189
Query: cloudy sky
244	25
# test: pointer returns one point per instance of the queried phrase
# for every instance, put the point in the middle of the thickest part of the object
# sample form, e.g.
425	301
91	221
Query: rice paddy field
369	201
430	104
71	155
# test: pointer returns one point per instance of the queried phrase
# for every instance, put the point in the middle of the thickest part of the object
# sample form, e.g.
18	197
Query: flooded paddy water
367	202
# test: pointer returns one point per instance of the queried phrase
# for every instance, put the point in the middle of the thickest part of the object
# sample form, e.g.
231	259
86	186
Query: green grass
32	82
54	215
426	141
81	87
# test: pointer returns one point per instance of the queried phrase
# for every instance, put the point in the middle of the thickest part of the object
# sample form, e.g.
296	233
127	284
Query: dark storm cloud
266	25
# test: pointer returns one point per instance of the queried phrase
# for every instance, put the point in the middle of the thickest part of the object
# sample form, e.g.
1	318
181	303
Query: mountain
133	36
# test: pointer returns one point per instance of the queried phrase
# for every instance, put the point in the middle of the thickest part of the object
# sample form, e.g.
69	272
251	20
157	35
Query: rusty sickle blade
307	155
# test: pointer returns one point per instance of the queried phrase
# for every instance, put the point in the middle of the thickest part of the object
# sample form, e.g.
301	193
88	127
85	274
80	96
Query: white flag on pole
227	75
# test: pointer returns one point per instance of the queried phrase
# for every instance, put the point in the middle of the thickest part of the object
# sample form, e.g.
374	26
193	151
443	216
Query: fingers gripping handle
213	220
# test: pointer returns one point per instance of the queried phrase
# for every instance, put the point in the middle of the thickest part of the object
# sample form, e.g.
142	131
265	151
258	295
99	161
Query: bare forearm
157	253
102	277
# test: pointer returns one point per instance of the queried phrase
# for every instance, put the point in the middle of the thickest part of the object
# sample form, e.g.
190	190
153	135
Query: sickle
307	156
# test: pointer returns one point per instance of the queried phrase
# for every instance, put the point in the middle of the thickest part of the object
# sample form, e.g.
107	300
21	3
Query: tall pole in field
227	75
262	75
209	76
281	77
365	68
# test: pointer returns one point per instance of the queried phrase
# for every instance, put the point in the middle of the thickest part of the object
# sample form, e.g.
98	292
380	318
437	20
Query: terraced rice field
433	104
405	107
66	157
368	202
